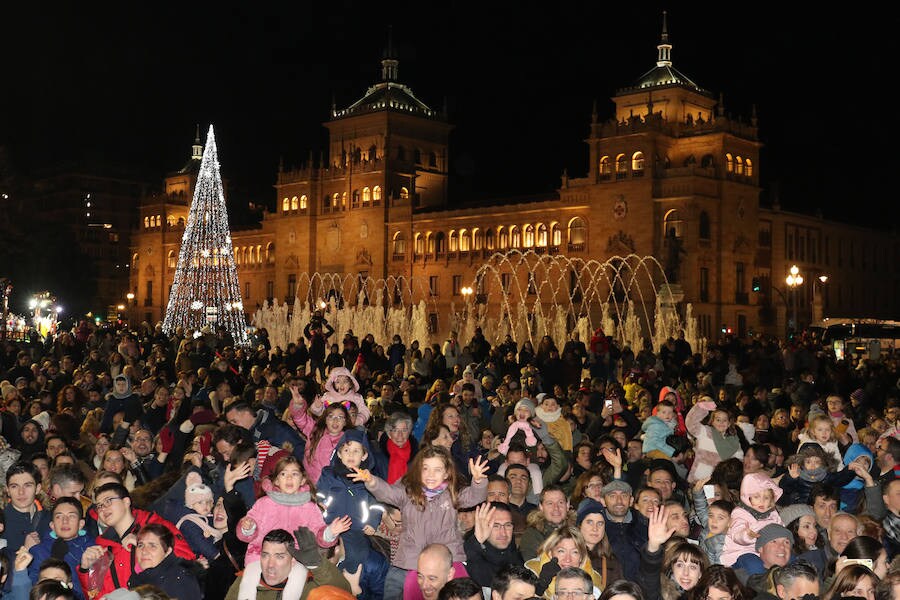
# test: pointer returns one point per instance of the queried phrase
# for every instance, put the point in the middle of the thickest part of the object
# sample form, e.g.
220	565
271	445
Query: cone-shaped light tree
206	290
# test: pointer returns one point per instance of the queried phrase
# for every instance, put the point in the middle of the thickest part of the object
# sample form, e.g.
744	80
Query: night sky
127	84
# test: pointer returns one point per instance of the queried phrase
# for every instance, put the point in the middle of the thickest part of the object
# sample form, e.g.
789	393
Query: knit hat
197	493
526	403
122	594
588	507
771	532
791	513
616	485
858	394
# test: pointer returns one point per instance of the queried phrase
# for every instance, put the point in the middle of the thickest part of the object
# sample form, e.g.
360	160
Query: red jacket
122	564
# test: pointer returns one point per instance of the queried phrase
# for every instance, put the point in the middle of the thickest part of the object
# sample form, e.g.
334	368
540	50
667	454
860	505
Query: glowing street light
793	281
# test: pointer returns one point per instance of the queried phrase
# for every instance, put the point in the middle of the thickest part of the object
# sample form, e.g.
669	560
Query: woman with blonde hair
564	547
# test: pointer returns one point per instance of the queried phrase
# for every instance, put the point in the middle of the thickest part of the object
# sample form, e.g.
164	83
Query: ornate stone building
671	176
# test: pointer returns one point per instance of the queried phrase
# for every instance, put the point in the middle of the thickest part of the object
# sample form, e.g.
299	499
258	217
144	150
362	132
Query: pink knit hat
197	493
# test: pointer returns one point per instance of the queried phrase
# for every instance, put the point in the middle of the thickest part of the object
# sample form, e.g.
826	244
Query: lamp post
466	291
794	280
130	297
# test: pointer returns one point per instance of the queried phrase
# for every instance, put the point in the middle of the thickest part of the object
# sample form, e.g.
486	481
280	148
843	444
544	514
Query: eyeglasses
335	418
574	594
107	503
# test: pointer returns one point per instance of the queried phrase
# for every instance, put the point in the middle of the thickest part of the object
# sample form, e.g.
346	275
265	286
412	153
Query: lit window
303	202
605	167
376	193
528	236
454	241
400	243
729	163
748	168
366	196
637	161
285	204
577	231
621	163
739	165
541	234
464	240
404	193
294	203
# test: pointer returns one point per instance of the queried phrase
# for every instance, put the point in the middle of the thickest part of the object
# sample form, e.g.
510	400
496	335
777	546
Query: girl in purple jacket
428	498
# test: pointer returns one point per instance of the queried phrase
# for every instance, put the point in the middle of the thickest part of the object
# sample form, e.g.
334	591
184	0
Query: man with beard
553	512
625	527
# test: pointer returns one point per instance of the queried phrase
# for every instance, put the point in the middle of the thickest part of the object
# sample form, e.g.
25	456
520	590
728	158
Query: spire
197	148
389	60
664	47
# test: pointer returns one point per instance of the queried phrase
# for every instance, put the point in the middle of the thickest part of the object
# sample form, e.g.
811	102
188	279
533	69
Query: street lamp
794	280
466	291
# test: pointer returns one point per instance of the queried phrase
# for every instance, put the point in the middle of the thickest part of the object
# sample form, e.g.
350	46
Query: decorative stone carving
292	262
363	257
621	244
363	230
742	245
333	237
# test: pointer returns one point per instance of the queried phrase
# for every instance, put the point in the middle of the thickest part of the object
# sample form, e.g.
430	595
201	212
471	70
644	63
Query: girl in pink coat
341	388
322	433
289	504
756	510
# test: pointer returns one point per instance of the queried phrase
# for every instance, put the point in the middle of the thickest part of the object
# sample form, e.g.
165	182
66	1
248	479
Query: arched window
294	203
465	242
515	237
171	259
502	238
729	163
477	239
528	235
404	193
577	234
605	167
286	204
181	221
134	260
238	257
303	202
454	241
170	220
376	194
541	235
621	163
366	196
637	161
419	244
432	160
270	253
344	201
326	204
399	244
356	196
704	227
158	221
739	165
673	224
440	242
146	222
748	168
555	234
335	201
259	254
489	239
417	156
707	161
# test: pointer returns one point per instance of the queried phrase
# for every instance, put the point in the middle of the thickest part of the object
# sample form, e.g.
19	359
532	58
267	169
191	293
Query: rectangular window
148	296
433	285
704	284
457	284
504	281
789	247
432	323
247	290
270	290
739	283
291	287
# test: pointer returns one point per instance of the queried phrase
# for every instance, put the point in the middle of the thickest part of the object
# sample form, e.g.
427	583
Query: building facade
672	177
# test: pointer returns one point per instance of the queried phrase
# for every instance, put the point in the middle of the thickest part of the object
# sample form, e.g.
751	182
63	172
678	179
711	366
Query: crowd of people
145	465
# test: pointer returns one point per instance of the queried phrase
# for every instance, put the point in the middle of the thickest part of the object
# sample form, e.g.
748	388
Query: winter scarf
430	494
208	530
891	525
299	498
813	475
398	458
758	515
726	445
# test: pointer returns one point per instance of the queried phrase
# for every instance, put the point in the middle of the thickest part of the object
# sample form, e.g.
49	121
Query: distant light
129	295
88	204
58	309
322	304
120	307
196	305
32	304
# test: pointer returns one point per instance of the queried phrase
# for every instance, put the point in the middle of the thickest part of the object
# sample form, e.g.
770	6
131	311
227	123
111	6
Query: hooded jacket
44	550
116	402
851	492
27	450
341	496
331	395
743	519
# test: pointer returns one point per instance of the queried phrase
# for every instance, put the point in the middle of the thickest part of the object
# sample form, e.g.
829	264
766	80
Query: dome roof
387	95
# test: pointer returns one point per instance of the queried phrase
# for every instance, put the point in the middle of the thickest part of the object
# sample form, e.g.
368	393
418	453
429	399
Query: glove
203	417
167	439
307	551
548	572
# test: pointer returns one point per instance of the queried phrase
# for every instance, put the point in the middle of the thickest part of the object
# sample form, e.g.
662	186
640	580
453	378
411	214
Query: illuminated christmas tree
206	290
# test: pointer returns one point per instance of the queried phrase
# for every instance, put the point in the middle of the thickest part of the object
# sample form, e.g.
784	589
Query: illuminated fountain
525	294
